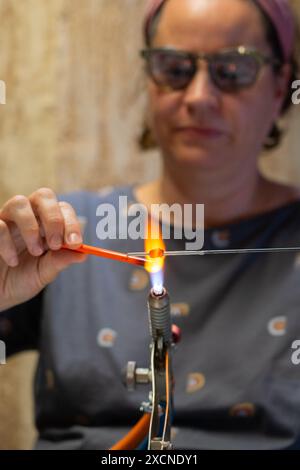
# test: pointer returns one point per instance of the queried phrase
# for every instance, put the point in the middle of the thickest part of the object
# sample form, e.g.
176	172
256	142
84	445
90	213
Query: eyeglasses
229	69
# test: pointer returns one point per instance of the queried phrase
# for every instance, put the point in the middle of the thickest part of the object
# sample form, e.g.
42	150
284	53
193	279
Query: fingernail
13	262
74	238
37	250
56	241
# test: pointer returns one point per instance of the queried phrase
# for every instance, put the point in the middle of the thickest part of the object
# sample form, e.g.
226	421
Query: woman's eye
228	70
179	68
178	71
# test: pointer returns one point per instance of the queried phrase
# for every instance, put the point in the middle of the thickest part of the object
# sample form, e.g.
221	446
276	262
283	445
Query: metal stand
159	374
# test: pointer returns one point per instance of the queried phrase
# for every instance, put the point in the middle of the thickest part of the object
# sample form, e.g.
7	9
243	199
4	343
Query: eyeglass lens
228	71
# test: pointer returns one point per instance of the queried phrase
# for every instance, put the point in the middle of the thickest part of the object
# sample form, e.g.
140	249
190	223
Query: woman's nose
201	92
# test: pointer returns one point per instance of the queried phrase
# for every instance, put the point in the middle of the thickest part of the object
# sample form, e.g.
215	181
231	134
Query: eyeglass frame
261	60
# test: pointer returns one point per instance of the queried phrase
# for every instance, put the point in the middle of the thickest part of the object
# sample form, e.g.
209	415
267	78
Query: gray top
236	386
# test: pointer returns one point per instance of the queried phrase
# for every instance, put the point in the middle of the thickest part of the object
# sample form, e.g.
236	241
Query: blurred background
75	108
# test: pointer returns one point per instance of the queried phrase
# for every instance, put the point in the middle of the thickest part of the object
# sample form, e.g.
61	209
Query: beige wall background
74	109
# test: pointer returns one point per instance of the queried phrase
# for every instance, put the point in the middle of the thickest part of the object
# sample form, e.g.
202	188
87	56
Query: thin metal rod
221	252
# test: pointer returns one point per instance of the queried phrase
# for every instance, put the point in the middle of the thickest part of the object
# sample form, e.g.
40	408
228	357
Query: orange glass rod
103	253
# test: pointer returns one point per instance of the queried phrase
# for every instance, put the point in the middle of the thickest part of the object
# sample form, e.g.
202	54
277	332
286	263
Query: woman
232	126
219	78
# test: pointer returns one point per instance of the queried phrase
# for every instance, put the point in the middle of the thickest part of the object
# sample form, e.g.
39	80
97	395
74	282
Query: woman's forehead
210	22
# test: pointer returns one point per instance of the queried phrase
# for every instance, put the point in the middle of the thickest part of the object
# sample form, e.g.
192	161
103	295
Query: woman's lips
203	132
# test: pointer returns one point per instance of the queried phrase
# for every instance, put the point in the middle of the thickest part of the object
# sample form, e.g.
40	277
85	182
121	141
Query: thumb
53	262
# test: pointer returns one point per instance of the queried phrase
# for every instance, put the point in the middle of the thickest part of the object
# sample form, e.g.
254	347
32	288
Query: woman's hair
146	140
276	134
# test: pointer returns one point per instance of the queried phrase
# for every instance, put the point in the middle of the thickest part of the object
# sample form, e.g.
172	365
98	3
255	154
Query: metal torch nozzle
159	316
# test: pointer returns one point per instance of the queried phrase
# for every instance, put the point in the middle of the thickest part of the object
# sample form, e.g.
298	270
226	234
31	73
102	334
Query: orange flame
154	244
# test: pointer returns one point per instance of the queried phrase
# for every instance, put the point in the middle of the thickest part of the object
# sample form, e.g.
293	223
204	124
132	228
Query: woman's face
201	125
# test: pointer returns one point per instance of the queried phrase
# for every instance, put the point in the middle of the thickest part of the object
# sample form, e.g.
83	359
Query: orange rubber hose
135	436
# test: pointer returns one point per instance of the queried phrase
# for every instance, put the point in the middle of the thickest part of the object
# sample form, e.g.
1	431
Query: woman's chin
201	159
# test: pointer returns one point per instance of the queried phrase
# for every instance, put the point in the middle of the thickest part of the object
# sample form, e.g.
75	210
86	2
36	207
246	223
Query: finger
8	250
18	211
72	233
53	262
47	209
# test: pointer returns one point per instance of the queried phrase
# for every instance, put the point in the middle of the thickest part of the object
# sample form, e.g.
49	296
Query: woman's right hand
32	231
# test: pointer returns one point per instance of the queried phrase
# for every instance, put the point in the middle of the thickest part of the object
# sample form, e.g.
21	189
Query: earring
274	137
146	139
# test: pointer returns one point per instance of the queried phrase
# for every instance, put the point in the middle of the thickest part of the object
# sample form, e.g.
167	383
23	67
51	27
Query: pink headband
278	11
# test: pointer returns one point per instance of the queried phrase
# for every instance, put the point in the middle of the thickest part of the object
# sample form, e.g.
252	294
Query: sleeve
20	326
